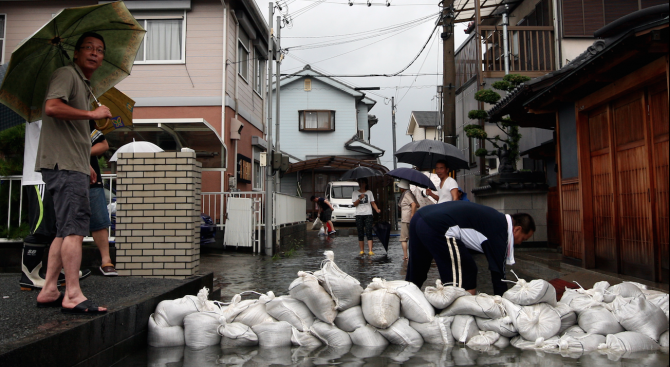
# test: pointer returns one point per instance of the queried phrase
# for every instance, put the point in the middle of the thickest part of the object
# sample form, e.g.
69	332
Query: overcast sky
364	52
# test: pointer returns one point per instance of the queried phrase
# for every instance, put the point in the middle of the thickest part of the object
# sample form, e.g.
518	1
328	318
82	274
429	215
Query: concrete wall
573	47
533	202
158	215
322	97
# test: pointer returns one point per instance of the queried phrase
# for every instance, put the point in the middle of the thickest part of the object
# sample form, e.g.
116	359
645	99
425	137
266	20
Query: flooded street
236	272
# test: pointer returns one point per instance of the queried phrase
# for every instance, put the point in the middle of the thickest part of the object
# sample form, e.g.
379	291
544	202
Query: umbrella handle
107	123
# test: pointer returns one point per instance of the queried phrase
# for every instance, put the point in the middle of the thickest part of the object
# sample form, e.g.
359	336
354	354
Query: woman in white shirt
364	202
448	188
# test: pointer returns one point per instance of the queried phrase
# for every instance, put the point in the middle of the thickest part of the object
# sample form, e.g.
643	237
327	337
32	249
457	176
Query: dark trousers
364	226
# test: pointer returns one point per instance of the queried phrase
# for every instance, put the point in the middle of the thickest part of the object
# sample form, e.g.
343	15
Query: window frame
247	48
3	38
142	19
301	123
258	74
257	183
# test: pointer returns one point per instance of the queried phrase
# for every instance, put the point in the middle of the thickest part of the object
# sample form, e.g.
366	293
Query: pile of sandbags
329	308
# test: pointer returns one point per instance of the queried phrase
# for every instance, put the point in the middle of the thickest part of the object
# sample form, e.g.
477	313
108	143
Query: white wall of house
363	110
321	97
573	47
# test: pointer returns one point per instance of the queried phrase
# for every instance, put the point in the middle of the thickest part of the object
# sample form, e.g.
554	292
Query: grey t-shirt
65	143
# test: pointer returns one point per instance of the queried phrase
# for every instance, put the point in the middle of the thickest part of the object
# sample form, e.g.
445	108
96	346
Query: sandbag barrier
329	308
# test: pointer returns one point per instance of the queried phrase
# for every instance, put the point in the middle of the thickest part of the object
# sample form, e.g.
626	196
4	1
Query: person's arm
358	200
430	193
93	177
374	206
60	110
99	148
454	194
328	202
413	206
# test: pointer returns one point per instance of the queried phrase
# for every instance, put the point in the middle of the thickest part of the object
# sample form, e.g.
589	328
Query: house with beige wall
199	77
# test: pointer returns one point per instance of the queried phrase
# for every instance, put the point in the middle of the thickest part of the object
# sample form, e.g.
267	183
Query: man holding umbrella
63	158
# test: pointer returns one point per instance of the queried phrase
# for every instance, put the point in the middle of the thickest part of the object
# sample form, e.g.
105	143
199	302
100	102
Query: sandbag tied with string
529	293
254	311
342	287
291	310
236	335
539	321
481	305
307	289
442	296
380	304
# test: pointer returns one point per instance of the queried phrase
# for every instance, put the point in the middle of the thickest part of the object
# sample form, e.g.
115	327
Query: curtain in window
311	120
164	39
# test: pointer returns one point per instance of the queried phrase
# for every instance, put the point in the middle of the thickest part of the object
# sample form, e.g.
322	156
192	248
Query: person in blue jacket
445	232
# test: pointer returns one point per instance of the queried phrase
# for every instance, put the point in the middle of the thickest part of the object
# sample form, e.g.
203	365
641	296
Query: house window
164	42
317	120
3	17
583	17
258	171
243	54
259	65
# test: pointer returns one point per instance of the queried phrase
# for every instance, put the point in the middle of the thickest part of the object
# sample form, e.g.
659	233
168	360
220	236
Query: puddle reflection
393	355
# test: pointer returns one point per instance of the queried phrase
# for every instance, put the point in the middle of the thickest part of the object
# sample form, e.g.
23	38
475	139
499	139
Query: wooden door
635	236
604	234
658	116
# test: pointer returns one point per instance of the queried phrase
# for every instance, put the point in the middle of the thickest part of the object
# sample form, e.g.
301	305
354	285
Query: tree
507	146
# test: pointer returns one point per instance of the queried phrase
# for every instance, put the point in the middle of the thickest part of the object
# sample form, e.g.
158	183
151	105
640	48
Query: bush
478	115
487	96
475	131
481	152
515	79
502	85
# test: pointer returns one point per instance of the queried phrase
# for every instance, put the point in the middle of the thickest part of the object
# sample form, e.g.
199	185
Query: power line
421	67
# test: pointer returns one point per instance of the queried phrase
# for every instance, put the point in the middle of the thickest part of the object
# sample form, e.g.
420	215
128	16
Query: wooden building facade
609	108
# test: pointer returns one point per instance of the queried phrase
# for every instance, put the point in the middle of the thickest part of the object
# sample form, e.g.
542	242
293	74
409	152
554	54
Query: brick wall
158	214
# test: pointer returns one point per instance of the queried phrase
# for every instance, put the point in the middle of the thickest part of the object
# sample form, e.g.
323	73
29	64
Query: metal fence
288	209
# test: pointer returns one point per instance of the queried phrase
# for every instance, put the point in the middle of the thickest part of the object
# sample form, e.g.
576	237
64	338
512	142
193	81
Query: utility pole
449	73
395	160
277	93
269	184
505	23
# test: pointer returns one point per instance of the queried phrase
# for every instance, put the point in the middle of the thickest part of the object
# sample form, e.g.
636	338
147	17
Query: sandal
85	308
58	302
108	270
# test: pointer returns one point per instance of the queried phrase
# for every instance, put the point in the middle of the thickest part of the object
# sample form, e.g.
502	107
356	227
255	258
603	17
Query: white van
339	194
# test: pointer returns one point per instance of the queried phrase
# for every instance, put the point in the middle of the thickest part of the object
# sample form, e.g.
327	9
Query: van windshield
343	192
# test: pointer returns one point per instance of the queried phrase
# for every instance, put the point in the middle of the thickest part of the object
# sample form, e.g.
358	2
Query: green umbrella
52	46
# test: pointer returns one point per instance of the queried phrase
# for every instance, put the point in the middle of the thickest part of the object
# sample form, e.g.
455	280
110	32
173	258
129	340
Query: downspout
505	23
558	44
237	102
223	94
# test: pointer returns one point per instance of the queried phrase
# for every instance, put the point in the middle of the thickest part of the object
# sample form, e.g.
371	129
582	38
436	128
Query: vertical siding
321	97
658	100
571	223
201	75
363	120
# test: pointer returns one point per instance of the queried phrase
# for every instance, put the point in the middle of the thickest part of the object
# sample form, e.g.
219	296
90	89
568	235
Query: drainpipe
237	102
223	94
268	168
277	93
505	23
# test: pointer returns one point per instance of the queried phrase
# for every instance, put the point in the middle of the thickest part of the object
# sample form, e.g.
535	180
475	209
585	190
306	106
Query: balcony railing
531	53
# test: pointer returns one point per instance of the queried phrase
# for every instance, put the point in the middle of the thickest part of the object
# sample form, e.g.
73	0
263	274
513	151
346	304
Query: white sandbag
236	335
380	304
350	319
575	344
413	303
400	333
368	336
626	289
628	342
568	316
484	339
663	340
503	326
574	330
536	321
342	287
660	299
330	335
291	310
602	287
441	297
638	314
481	305
234	308
598	320
581	299
200	329
174	311
255	311
164	336
304	339
463	328
529	293
317	224
307	289
273	334
502	343
524	344
437	331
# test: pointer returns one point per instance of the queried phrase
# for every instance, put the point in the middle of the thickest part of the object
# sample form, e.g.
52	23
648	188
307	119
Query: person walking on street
63	157
408	206
445	232
448	187
100	222
364	202
325	213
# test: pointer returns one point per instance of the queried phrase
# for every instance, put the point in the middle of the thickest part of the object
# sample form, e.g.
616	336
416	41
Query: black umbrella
383	232
425	153
413	176
359	172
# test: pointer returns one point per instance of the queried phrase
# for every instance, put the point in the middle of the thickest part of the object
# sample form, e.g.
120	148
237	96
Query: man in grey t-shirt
63	159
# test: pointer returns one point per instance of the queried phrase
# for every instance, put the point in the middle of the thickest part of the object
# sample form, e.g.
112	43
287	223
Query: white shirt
444	192
365	206
510	241
30	177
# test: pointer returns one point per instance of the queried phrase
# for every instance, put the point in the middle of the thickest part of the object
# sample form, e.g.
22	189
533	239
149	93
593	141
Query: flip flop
58	302
85	308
